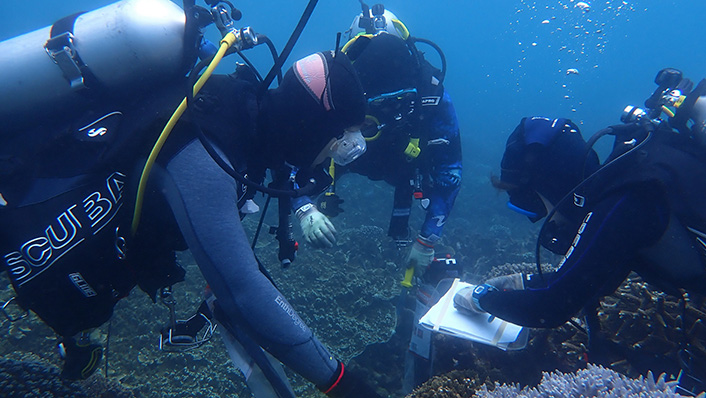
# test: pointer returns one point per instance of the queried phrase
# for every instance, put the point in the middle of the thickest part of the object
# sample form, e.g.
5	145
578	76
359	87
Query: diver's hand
316	227
508	282
466	300
330	204
420	255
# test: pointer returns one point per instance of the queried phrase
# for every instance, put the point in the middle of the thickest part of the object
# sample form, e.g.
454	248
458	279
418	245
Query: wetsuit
203	199
643	213
439	164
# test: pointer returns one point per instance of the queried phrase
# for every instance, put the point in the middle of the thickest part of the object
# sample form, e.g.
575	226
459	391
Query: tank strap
65	24
60	48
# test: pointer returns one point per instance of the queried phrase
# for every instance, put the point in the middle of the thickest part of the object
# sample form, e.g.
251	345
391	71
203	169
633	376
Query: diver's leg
203	198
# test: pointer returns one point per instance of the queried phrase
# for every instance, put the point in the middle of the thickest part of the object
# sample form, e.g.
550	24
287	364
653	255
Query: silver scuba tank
126	47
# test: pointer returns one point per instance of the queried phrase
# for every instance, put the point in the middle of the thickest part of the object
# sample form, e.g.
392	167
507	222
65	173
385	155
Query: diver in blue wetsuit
414	144
412	135
641	211
66	205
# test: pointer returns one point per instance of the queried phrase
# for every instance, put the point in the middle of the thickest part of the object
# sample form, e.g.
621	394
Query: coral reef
652	324
348	296
31	378
454	384
594	381
34	379
643	330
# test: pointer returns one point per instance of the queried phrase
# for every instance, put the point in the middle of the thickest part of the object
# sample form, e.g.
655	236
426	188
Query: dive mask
348	148
396	104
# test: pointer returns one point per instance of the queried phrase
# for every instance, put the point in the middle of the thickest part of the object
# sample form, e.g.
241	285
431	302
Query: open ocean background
503	62
507	59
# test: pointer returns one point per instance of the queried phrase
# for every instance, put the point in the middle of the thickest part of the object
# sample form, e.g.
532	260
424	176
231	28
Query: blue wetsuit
443	165
613	232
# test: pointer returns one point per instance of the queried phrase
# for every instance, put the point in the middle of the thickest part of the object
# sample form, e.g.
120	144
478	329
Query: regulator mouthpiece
348	148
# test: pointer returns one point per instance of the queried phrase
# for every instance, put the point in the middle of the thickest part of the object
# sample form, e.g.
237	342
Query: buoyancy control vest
403	122
669	159
65	225
64	219
398	154
78	98
675	165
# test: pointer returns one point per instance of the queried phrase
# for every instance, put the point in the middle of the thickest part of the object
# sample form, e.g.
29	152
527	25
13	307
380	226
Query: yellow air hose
227	41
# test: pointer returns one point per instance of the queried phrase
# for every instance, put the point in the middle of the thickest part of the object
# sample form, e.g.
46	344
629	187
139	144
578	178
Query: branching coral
594	381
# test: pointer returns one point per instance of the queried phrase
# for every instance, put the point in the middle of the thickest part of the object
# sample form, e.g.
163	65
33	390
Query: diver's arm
445	162
599	260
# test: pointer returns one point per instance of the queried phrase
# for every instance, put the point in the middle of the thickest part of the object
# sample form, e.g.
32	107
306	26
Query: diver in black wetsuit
641	211
65	217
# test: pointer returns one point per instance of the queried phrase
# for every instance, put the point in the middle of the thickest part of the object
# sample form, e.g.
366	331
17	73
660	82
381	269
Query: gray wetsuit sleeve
203	199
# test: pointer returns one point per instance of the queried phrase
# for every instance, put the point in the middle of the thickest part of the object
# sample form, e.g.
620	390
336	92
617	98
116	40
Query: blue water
506	60
504	63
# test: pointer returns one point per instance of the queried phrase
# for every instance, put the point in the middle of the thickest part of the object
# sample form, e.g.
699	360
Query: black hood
545	156
294	126
384	64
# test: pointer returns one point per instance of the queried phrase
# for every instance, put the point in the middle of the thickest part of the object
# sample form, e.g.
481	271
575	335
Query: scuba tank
123	48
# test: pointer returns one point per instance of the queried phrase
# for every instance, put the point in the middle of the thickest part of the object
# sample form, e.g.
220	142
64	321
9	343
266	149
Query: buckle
184	335
62	51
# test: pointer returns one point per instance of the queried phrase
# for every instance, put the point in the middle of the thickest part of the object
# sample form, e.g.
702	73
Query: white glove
420	255
464	302
508	282
316	227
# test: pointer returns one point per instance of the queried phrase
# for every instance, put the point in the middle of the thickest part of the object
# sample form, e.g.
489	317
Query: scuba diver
413	143
412	135
85	216
640	211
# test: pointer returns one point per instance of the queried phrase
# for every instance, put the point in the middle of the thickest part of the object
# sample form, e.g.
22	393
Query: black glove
81	358
330	205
